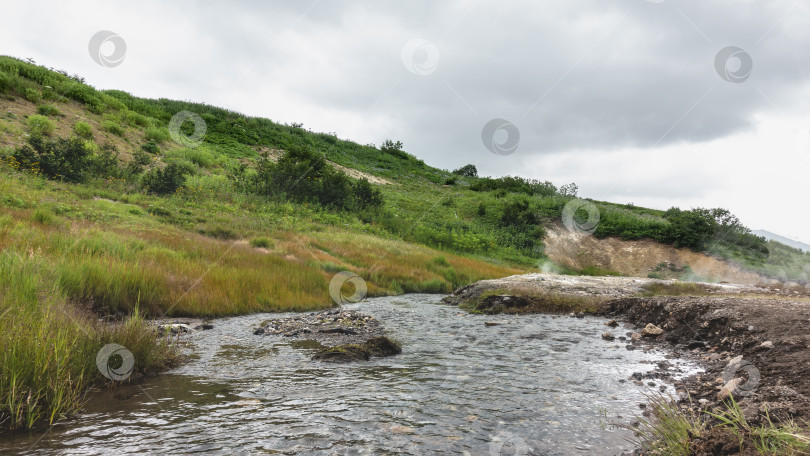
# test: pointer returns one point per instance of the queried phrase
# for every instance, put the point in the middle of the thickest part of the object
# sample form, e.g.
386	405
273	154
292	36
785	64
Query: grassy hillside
104	213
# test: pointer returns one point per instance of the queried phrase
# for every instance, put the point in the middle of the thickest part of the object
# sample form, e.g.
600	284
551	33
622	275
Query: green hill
109	209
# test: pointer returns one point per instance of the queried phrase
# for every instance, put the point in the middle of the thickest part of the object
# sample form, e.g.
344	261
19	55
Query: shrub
112	127
467	170
139	160
198	156
105	162
165	181
66	159
150	147
691	228
366	195
6	82
393	148
304	176
31	94
219	232
44	216
48	110
135	119
156	135
40	125
262	242
83	130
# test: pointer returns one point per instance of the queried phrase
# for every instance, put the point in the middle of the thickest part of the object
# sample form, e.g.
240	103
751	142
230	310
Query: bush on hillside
467	171
83	130
515	185
39	125
393	148
167	180
304	176
48	110
65	159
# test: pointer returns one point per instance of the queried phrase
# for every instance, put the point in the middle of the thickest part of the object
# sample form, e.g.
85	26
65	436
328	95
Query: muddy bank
756	348
754	342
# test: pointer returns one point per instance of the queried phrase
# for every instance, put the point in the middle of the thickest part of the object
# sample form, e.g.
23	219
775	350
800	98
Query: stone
734	364
204	327
608	336
767	344
651	330
612	323
729	388
635	336
175	328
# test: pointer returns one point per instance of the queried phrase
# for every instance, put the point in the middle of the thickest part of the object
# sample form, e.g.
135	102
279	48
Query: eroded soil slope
639	258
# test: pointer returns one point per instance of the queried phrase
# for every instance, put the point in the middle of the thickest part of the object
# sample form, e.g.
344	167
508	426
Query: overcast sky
656	102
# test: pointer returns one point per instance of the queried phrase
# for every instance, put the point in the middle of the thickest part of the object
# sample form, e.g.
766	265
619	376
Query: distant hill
783	240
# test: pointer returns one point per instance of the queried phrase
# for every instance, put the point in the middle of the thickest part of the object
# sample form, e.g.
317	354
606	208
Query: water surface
536	384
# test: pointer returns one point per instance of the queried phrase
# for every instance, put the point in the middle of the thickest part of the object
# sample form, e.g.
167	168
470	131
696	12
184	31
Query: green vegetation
48	348
257	218
39	125
48	110
261	242
83	130
671	431
112	127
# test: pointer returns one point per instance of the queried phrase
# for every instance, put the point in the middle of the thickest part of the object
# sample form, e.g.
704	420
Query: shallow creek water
535	384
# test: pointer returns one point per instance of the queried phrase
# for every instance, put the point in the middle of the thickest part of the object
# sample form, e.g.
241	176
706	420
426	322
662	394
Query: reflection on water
535	384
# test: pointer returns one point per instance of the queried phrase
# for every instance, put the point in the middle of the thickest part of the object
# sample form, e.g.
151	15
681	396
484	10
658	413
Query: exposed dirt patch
639	258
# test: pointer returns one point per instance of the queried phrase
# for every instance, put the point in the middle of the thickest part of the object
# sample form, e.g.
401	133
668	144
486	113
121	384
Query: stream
532	385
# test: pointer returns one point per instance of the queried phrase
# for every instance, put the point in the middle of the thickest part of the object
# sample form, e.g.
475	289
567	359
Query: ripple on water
534	384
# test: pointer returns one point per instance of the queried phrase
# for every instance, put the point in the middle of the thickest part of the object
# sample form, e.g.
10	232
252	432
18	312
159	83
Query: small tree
569	190
393	148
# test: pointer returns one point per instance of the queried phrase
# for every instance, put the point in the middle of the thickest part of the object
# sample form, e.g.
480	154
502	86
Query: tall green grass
48	348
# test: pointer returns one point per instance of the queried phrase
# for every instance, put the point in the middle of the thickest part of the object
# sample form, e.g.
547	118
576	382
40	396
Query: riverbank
754	342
